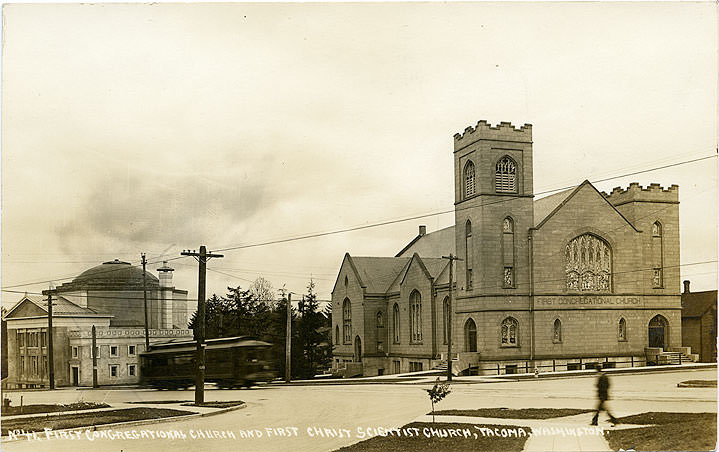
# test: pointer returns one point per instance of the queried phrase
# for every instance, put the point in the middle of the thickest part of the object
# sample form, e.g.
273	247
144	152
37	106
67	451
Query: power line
380	223
443	212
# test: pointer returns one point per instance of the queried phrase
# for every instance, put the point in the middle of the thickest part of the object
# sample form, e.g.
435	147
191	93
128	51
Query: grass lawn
216	404
506	413
54	408
421	443
698	384
672	431
38	423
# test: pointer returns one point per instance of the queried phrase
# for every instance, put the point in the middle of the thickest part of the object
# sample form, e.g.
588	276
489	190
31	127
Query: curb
161	420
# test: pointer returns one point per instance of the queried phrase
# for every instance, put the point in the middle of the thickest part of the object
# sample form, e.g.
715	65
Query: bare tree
262	289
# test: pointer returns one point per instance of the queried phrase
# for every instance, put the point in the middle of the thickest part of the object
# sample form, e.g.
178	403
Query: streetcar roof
210	344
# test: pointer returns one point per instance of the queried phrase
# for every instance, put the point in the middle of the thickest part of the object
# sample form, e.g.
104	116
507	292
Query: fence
554	366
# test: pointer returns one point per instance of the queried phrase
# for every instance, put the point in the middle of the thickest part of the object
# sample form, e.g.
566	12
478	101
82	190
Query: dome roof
115	273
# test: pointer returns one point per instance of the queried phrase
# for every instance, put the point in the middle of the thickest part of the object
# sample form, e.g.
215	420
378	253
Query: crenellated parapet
637	193
504	131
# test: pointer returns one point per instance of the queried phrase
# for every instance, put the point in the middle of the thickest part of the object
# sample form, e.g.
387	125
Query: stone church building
567	281
110	298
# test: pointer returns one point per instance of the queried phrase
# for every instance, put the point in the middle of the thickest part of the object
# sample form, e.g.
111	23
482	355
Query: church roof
696	304
544	206
114	272
377	273
435	244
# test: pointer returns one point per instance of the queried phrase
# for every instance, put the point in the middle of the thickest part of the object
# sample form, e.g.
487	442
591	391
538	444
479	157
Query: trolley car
229	362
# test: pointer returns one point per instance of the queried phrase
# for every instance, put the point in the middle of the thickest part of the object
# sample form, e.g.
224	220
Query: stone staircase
673	358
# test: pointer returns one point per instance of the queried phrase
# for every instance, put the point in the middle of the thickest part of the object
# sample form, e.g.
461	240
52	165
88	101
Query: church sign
589	300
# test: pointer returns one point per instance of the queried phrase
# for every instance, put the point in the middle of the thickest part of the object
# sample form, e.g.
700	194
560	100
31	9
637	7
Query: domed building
110	298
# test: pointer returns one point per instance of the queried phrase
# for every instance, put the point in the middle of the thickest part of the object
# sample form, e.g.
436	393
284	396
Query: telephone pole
288	340
448	320
50	352
203	257
94	358
144	297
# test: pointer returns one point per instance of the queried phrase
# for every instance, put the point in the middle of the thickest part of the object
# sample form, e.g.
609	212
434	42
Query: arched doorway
658	331
358	350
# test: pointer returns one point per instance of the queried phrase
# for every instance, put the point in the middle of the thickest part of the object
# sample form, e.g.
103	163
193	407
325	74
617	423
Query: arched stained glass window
508	252
470	336
347	321
510	330
468	253
337	334
469	180
557	332
380	320
415	317
622	329
505	176
657	256
445	318
588	264
395	323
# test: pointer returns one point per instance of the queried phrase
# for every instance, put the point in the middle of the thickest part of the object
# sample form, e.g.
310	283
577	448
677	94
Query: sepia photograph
359	227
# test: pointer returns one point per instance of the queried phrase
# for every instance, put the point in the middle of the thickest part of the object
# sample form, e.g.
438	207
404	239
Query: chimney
422	230
686	286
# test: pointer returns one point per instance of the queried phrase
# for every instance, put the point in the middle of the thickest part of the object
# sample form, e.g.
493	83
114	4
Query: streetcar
230	362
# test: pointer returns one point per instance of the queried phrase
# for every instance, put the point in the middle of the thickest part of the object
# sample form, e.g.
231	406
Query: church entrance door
657	332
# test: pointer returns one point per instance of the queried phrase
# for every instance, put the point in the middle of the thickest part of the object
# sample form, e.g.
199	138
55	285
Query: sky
130	128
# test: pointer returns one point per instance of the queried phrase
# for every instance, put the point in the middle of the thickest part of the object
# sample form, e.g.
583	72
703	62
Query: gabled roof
435	244
61	306
561	204
696	304
544	206
378	273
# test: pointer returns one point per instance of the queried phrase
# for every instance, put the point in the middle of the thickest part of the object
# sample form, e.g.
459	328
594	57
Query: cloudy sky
155	128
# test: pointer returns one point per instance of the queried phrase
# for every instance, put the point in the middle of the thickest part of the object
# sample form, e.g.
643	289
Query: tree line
259	313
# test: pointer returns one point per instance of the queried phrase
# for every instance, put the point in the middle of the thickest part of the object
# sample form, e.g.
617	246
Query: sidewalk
569	433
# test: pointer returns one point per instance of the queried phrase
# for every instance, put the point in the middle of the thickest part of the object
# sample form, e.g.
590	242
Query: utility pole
94	358
144	297
451	258
288	340
202	256
50	354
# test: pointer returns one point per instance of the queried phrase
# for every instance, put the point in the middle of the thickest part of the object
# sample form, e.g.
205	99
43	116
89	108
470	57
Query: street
323	418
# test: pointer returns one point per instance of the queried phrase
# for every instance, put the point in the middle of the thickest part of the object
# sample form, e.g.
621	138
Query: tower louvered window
469	181
657	256
505	176
588	264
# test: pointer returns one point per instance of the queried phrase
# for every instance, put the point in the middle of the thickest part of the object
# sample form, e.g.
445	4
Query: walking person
603	393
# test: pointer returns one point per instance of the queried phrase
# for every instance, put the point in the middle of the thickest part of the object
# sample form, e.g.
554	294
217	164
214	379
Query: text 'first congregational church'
562	282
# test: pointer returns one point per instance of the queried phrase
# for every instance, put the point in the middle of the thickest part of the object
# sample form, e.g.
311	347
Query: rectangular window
510	369
32	340
380	346
397	366
43	339
97	351
21	338
574	366
113	350
131	350
75	351
22	365
113	371
33	361
44	366
415	366
131	370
